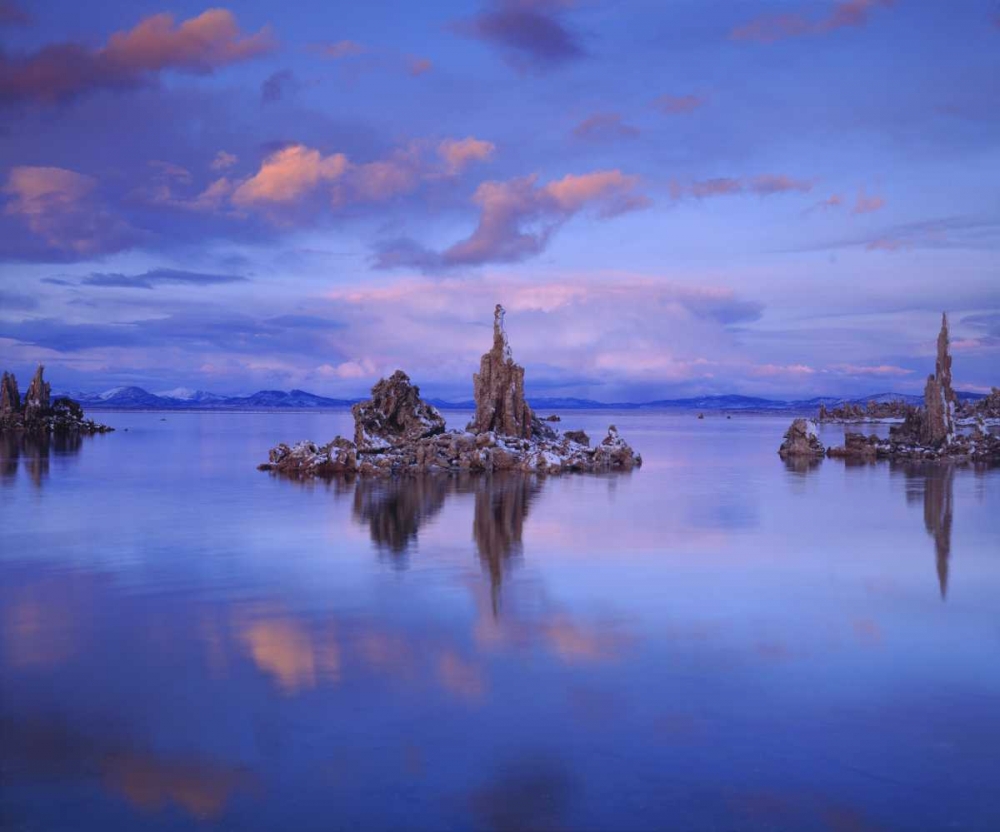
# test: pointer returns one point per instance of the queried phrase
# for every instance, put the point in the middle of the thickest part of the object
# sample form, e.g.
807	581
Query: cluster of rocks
872	411
927	433
38	412
396	432
985	409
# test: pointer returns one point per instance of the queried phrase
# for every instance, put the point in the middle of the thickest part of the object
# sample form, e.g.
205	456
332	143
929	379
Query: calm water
716	641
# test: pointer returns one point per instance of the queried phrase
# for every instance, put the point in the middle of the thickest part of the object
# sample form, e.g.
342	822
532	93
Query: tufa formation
396	432
37	412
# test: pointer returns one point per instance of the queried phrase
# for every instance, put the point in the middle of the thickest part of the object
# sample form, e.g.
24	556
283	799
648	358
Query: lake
714	641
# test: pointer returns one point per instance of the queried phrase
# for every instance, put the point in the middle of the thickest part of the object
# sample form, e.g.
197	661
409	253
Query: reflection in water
935	483
395	509
44	748
34	450
502	504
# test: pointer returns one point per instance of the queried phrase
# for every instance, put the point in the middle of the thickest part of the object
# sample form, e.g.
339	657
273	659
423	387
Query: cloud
289	174
198	45
772	28
61	208
416	66
11	14
867	204
223	160
14	300
604	127
518	216
341	49
673	105
459	153
528	32
277	85
832	201
763	185
887	244
156	277
880	370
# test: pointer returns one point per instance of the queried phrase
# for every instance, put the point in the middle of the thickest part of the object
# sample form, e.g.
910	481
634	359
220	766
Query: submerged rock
37	413
394	414
396	432
801	440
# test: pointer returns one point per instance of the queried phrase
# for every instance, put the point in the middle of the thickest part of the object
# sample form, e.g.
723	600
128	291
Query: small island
925	433
38	412
397	432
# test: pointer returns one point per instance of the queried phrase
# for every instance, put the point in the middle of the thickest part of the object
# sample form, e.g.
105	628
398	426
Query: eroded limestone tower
498	388
939	398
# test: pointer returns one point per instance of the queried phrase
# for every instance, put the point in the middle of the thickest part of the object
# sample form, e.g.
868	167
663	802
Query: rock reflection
502	504
934	483
395	509
34	451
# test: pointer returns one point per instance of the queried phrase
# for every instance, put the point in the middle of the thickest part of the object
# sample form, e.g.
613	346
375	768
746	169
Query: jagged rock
552	418
498	388
36	413
36	399
10	399
939	398
801	440
857	447
397	433
394	414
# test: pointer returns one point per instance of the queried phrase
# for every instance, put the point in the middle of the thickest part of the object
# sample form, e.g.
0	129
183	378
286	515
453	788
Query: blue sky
772	198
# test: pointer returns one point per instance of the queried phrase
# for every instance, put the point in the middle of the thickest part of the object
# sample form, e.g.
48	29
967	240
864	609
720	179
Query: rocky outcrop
10	398
872	411
37	413
498	389
930	432
801	440
398	433
395	414
939	398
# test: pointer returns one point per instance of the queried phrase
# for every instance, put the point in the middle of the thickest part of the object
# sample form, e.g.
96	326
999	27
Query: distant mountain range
135	398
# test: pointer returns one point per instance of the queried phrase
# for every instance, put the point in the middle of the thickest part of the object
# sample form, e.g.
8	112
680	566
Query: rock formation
801	440
939	398
37	412
36	400
396	432
10	398
394	414
928	433
498	388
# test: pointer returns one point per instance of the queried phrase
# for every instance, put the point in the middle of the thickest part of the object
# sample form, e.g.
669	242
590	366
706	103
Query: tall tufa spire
939	397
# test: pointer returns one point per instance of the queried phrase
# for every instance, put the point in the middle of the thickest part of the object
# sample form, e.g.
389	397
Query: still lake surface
715	641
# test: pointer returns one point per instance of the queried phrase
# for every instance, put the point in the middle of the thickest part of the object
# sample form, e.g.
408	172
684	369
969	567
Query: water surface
715	641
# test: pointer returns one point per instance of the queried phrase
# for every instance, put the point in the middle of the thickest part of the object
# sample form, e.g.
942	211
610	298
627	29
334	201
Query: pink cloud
604	127
289	174
867	204
886	244
507	207
772	28
342	49
223	160
459	153
877	370
678	104
763	185
418	66
198	45
60	206
778	370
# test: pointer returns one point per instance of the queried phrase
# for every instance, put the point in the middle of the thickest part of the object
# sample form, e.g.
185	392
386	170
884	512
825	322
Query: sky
670	197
